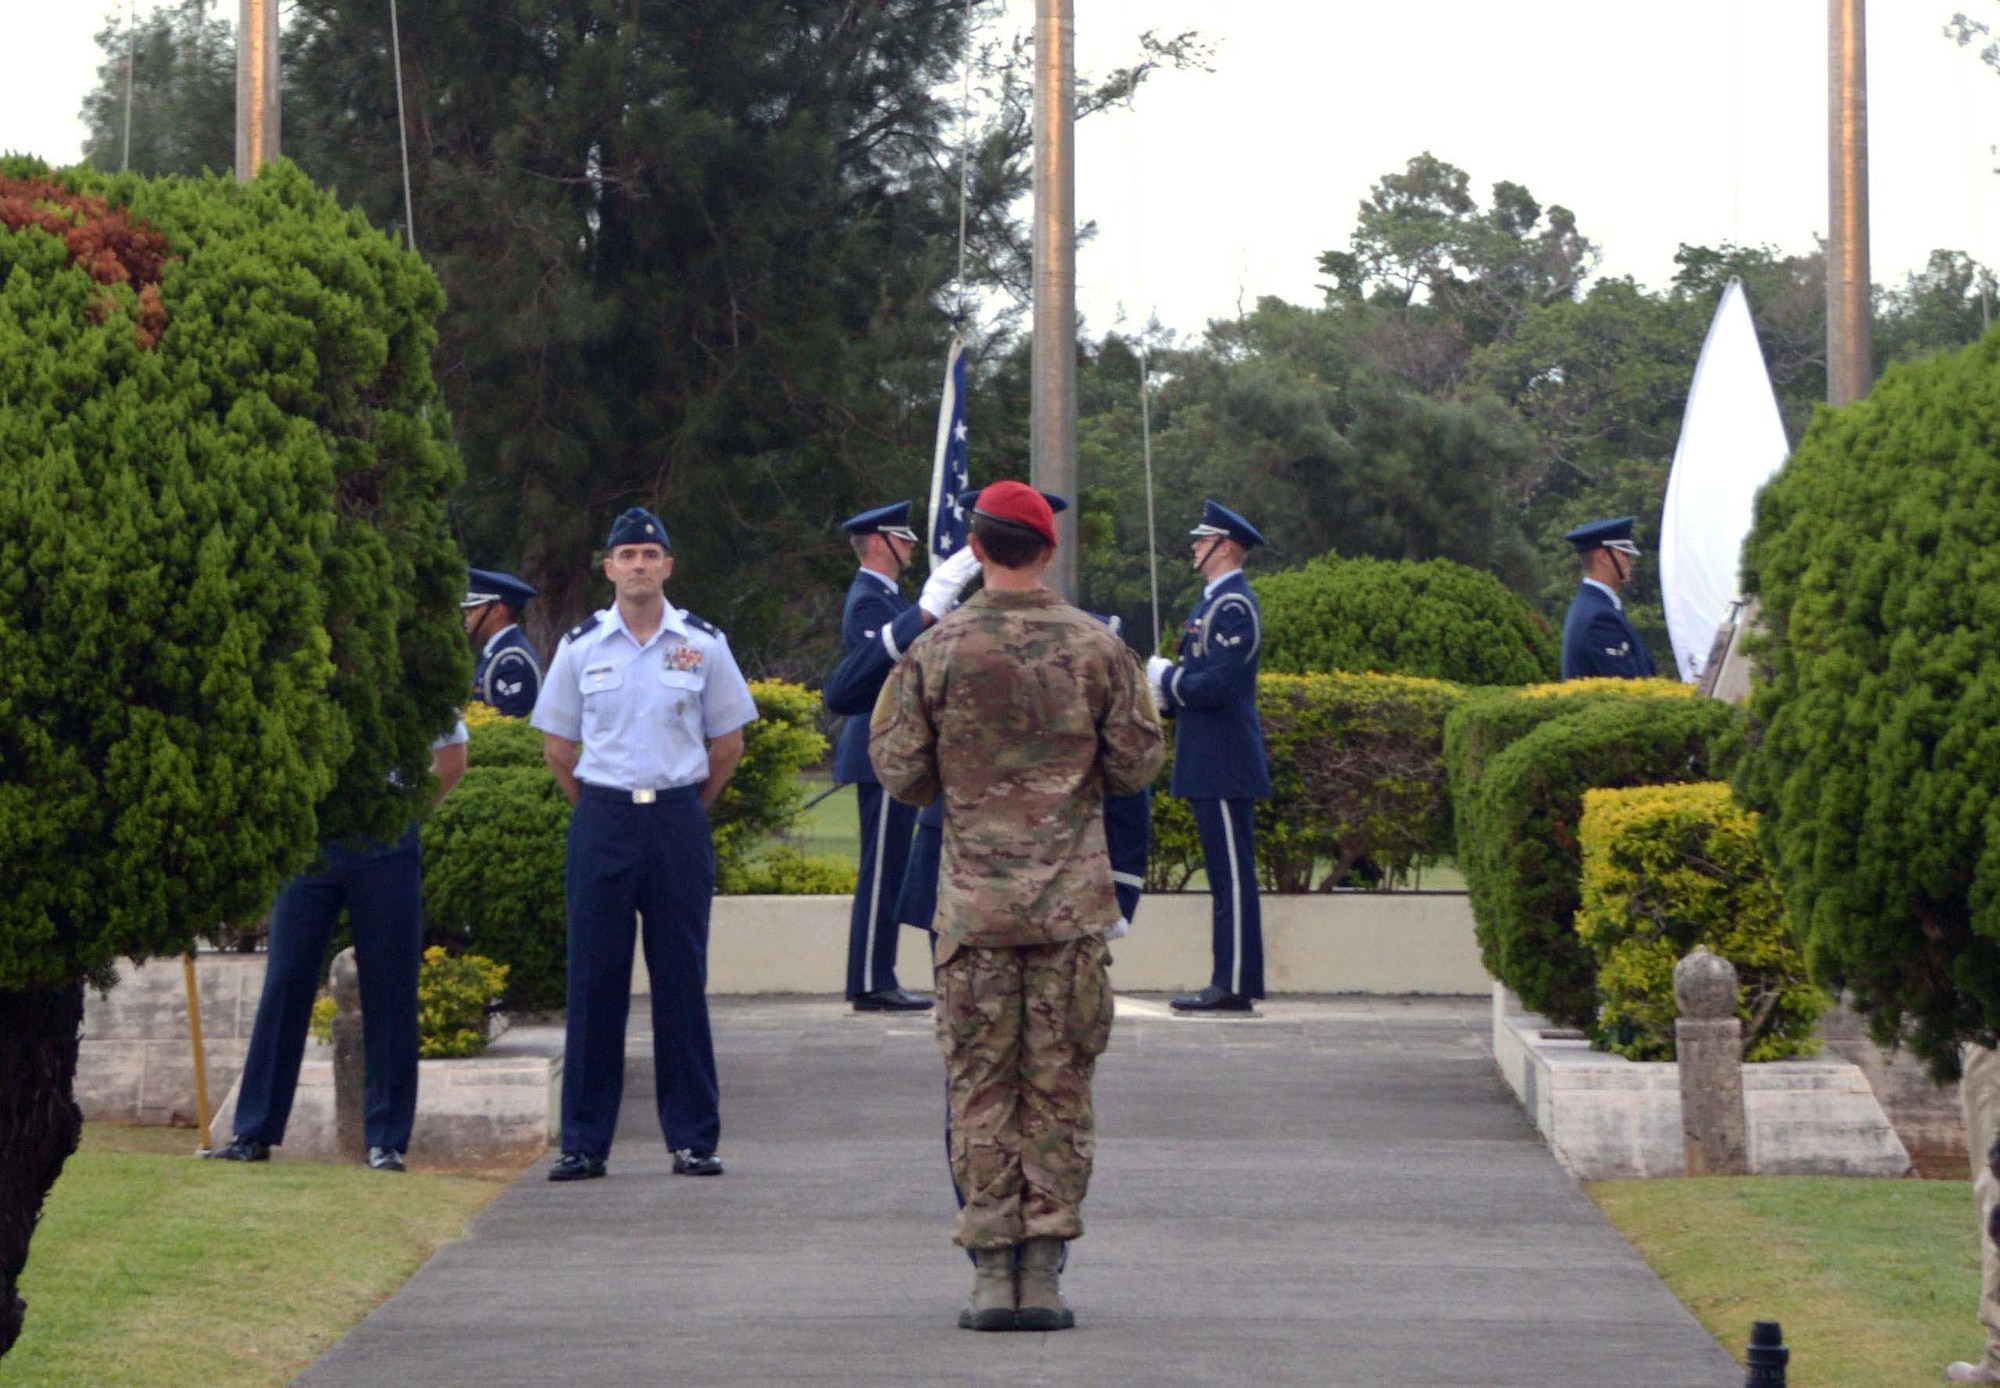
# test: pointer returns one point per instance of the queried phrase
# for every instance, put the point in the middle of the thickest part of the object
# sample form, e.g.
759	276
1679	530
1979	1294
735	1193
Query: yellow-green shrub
454	994
1666	868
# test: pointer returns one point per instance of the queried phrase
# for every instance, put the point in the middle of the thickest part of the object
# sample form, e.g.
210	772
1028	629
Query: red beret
1020	503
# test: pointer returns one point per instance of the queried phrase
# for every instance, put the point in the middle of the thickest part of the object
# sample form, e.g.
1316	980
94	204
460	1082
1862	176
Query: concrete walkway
1338	1192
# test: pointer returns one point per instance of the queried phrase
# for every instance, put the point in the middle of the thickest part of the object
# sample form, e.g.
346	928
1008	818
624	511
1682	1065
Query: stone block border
1609	1118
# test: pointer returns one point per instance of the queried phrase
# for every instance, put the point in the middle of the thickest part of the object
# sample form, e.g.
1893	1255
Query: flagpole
1850	358
1052	437
256	87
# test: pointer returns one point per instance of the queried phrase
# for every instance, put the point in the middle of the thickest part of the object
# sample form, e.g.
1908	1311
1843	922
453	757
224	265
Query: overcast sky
1700	121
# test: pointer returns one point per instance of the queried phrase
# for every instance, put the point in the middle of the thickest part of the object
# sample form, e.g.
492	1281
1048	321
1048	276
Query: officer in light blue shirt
642	715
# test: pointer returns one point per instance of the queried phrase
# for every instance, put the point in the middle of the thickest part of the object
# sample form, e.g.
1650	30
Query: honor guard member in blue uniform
1598	639
508	677
1211	693
878	625
642	713
381	887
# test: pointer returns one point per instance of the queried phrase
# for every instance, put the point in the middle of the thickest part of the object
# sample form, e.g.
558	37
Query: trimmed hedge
493	875
1666	868
765	795
1357	779
1436	619
498	740
1488	721
1517	831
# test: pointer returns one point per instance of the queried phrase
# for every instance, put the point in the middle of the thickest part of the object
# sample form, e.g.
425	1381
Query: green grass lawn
1875	1282
151	1267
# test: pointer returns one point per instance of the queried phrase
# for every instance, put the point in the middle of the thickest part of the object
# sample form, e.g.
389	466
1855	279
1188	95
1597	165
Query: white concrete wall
135	1064
1350	942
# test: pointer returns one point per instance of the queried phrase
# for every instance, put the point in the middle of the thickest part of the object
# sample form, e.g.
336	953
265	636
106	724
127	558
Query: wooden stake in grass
200	1062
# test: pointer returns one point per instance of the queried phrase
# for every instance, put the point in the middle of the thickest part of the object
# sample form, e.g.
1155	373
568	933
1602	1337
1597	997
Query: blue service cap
1217	519
969	500
893	519
638	526
491	585
1605	534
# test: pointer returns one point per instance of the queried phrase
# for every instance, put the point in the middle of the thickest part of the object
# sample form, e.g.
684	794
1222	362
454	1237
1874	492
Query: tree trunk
39	1124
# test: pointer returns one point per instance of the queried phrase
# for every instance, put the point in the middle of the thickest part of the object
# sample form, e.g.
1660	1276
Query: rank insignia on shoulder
684	658
585	625
699	625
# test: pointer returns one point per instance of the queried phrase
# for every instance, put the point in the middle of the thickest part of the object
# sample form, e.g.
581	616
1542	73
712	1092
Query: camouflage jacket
1024	712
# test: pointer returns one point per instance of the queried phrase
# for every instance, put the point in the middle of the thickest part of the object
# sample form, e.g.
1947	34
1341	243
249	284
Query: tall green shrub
228	589
1876	555
765	795
1437	619
1518	832
1666	868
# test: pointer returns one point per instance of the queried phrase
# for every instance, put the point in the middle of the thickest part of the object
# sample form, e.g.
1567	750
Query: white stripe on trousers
1235	897
875	899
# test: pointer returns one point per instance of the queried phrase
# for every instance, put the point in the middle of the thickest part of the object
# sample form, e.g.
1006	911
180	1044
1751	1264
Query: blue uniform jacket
1599	640
878	625
1212	697
508	677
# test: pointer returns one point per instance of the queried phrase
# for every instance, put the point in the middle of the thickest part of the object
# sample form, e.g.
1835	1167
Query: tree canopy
229	624
1876	767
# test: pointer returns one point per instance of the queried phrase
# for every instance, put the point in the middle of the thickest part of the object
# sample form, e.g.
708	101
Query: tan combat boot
1042	1306
992	1303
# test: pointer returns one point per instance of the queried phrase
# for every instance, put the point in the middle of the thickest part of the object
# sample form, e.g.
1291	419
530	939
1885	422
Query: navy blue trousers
382	890
886	824
1227	852
630	864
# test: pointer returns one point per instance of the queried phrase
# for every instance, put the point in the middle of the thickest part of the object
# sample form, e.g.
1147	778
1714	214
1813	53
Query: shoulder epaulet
585	625
699	625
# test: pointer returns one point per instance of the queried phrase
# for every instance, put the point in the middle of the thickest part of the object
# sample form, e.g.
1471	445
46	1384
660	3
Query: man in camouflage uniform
1024	712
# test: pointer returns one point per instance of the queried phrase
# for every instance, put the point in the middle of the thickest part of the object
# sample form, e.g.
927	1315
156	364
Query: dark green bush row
1518	805
1357	778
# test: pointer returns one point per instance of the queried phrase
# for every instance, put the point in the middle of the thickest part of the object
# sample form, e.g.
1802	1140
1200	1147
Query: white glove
1157	668
1118	931
946	582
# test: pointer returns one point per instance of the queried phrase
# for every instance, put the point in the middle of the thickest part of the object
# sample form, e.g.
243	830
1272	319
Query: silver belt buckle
644	797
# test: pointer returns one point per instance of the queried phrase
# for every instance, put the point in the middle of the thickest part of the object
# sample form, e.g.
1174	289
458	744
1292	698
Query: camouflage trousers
1021	1029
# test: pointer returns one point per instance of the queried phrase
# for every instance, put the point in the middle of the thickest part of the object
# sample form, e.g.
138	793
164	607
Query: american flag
950	474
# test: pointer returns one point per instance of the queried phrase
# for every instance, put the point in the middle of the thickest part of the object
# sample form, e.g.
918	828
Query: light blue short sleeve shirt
644	714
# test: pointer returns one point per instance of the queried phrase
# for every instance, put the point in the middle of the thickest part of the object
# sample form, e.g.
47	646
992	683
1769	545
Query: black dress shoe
891	1000
1212	999
384	1159
242	1149
692	1161
576	1166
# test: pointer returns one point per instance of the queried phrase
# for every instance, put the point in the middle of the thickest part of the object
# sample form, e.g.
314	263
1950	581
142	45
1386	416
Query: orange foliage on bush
104	242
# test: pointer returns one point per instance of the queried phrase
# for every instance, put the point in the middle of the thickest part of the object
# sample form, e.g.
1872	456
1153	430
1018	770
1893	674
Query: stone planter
1609	1118
496	1109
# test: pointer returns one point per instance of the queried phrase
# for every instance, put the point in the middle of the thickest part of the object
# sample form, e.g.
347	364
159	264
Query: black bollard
1764	1362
